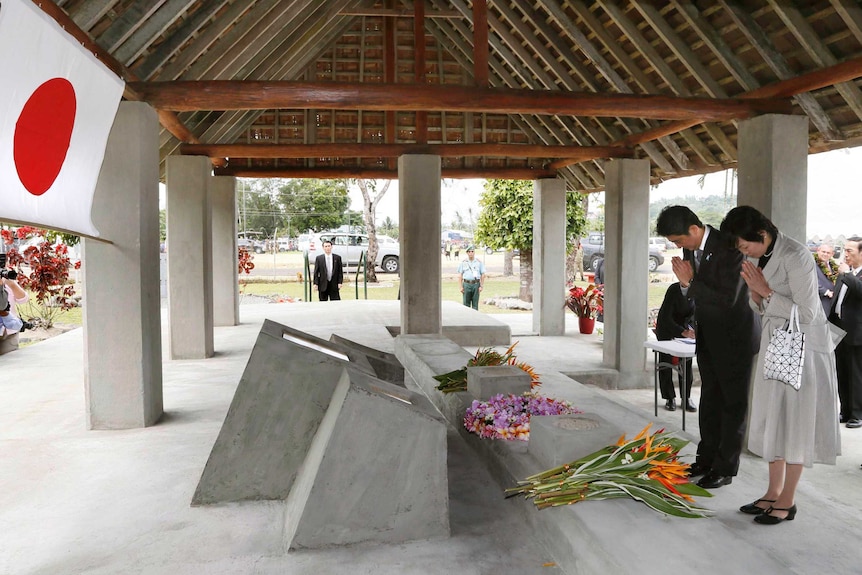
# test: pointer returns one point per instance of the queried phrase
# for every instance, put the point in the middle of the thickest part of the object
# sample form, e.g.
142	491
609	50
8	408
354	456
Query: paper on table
685	339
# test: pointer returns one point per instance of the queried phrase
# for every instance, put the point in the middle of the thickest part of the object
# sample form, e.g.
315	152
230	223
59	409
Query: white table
673	348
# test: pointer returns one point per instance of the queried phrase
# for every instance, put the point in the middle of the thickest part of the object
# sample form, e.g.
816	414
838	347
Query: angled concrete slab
376	470
385	365
356	458
282	396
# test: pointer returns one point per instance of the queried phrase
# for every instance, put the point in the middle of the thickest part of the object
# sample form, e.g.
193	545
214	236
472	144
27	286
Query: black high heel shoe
753	509
766	519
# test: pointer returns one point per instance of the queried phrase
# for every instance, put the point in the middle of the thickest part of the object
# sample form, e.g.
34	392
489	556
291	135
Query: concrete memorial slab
559	439
376	470
356	458
385	365
282	396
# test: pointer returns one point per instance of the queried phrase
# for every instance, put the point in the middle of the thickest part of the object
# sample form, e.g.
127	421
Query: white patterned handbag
785	354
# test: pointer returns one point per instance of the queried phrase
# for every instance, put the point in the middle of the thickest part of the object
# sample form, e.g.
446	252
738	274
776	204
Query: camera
4	273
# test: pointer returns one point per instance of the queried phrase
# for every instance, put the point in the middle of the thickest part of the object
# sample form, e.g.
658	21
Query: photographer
10	295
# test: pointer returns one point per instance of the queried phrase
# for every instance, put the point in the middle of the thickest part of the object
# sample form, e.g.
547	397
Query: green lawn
385	290
494	286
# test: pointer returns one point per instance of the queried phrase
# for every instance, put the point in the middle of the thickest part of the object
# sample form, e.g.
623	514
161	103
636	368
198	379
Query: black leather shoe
766	518
698	468
689	406
713	480
670	405
854	423
842	419
753	509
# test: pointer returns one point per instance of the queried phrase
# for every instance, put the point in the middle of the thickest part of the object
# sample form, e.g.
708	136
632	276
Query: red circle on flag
43	133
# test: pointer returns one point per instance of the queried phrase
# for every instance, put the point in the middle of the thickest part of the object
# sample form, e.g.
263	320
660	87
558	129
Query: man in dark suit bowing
727	338
846	313
328	275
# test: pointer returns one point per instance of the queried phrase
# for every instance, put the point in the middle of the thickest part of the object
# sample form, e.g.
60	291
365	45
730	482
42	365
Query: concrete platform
117	502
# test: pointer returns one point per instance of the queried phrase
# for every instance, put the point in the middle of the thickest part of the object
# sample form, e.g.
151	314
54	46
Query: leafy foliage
506	217
48	264
315	205
245	264
506	221
389	228
258	208
586	303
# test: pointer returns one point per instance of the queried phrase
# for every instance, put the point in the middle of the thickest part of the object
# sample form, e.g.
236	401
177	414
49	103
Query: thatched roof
537	88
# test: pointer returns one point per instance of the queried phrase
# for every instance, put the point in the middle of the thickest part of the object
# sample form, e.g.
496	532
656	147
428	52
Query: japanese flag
57	105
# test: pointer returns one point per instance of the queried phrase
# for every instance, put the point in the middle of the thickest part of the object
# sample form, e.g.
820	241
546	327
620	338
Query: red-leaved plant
586	303
47	280
245	265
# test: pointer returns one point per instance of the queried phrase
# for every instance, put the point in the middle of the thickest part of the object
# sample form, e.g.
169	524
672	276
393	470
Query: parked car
594	250
249	245
350	246
284	244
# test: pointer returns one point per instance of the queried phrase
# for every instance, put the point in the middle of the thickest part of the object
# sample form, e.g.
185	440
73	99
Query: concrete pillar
772	173
626	268
122	319
549	257
419	219
224	253
190	288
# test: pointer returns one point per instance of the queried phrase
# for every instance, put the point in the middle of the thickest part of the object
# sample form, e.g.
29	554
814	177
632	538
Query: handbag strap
794	319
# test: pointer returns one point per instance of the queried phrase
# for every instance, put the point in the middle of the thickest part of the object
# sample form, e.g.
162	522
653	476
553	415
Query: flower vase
586	324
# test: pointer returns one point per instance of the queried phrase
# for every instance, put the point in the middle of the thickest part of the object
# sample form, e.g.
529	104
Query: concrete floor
117	502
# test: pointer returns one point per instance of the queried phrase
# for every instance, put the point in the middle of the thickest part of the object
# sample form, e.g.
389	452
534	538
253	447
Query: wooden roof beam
397	12
383	174
189	96
395	150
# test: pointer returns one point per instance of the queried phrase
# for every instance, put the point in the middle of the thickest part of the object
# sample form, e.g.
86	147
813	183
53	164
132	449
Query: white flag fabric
57	105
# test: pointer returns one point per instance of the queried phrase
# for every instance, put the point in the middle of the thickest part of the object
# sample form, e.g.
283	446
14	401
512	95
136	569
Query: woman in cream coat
788	428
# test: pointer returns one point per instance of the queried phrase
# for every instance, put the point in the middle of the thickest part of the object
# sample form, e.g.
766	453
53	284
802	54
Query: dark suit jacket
824	284
675	314
320	272
725	321
851	310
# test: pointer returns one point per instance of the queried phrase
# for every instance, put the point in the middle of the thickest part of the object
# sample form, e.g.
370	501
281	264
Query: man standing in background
827	272
846	313
579	262
471	278
328	275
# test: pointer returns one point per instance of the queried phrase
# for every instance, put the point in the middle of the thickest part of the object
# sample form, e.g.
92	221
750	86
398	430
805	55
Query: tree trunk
507	263
371	230
370	198
570	266
526	265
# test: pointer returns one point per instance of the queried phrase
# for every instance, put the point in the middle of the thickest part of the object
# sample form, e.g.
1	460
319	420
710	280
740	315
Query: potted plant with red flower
587	304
